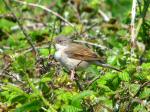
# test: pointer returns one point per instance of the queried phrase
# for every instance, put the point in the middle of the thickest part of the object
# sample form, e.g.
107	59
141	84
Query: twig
5	69
46	9
15	77
34	26
105	17
10	17
24	51
5	73
133	33
21	27
92	44
88	28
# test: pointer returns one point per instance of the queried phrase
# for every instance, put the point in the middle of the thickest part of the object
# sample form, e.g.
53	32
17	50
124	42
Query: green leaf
104	88
124	76
44	52
13	88
139	108
31	106
23	63
19	98
93	69
45	79
146	65
67	30
76	100
63	95
115	83
134	88
145	93
5	24
70	108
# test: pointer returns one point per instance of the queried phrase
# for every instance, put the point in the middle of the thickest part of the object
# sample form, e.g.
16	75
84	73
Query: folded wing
80	52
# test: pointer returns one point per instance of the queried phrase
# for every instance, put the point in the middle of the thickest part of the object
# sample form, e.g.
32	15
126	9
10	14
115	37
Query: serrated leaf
124	76
134	88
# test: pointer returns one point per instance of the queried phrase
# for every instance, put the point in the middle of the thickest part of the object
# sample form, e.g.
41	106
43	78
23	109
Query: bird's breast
58	55
69	63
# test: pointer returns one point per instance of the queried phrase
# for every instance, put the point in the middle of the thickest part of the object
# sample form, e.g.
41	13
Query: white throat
60	47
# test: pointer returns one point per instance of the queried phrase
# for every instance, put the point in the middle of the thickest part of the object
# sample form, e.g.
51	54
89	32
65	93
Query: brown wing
80	52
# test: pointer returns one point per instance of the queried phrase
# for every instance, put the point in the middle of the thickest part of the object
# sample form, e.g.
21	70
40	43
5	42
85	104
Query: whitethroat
75	56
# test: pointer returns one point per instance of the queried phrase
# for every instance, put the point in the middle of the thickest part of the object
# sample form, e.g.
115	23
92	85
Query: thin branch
5	69
92	44
133	34
10	17
89	28
25	51
34	26
46	9
21	27
105	17
4	72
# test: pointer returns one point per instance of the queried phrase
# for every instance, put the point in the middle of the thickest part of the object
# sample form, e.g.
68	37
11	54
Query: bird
74	56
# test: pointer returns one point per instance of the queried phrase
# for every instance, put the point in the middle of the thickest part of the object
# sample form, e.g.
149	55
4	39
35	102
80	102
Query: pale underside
75	56
70	63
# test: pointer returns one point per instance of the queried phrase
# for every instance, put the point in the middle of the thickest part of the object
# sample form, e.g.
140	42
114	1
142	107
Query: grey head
63	40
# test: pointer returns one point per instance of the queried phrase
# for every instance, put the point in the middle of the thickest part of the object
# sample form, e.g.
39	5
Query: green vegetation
32	81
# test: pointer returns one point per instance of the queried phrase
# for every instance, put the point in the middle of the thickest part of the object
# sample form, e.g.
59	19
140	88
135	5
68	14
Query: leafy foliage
37	83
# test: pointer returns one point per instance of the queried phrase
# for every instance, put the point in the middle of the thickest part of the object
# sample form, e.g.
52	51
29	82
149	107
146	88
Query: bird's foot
72	77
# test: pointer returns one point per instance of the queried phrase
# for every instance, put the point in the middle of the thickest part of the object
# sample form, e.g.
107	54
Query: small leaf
46	79
124	76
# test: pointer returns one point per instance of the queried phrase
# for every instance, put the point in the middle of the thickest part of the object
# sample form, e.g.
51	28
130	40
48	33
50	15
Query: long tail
108	66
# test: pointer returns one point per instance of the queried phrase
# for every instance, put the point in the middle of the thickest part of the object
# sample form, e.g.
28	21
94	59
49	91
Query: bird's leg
72	74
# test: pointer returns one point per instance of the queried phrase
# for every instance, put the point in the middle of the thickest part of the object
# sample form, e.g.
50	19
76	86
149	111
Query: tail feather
108	66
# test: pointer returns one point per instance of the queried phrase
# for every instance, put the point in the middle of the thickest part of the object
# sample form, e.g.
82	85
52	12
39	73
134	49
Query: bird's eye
60	41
